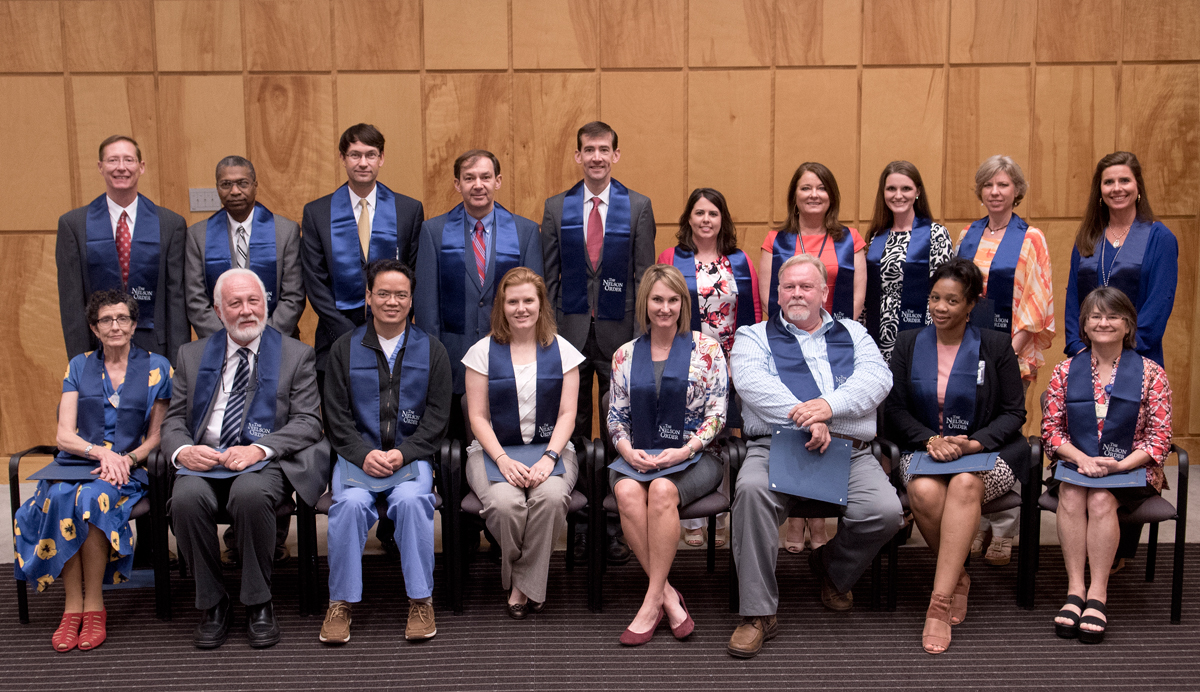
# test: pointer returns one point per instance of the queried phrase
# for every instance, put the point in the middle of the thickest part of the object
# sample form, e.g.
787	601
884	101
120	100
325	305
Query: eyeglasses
243	185
356	156
387	296
121	321
114	161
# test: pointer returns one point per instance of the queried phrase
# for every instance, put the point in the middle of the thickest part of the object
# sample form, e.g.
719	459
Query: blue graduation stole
365	385
614	267
1124	403
260	415
1124	270
217	259
104	269
349	282
995	308
843	288
914	295
958	412
452	270
658	416
793	368
131	409
685	262
502	393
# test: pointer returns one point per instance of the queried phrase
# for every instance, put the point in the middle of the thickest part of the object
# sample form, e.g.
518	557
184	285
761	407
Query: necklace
1105	277
1117	243
994	231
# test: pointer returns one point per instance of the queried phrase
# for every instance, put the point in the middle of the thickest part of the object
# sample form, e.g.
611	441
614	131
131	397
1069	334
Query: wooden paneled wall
723	93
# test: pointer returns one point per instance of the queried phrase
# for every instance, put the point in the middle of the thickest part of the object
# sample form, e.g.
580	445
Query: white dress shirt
587	207
370	204
114	214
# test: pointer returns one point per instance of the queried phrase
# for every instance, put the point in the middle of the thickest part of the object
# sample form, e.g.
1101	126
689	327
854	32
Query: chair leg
1151	551
22	602
1177	574
570	556
712	544
893	571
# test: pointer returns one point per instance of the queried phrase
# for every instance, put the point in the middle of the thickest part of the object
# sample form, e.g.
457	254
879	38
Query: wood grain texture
109	105
1179	339
722	33
463	112
555	34
728	113
548	110
902	118
642	33
377	34
203	121
905	32
989	114
291	141
1074	124
1162	30
750	238
647	109
816	119
449	23
108	35
818	32
1078	30
288	35
30	37
35	107
198	35
992	30
392	103
1160	122
35	357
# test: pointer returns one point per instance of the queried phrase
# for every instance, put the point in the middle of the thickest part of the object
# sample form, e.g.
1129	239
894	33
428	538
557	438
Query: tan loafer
749	637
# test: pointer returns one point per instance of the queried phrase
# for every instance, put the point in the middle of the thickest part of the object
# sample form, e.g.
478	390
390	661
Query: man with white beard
804	369
242	431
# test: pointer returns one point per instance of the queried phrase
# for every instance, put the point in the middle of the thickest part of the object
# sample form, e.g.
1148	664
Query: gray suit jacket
289	278
297	415
477	315
610	335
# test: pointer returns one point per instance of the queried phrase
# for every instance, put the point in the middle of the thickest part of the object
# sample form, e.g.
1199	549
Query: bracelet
935	437
503	454
133	457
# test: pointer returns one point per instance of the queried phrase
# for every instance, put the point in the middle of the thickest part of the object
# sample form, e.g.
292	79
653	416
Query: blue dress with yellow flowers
51	526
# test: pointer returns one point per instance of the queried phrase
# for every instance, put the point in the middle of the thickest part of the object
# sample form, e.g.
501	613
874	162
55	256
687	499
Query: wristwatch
691	452
552	454
87	451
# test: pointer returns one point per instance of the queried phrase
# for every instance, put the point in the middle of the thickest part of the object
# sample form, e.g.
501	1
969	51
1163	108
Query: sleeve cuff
175	455
270	453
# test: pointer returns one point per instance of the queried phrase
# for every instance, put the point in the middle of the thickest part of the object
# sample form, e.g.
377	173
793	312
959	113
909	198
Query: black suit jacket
171	329
316	254
999	401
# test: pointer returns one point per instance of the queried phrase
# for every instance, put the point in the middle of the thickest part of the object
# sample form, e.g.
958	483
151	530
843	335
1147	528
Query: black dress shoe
618	552
581	547
261	627
213	627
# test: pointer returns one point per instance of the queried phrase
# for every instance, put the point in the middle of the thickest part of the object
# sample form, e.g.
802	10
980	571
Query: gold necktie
364	229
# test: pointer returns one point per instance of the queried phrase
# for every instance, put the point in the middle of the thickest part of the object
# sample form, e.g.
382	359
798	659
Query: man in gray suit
461	256
243	430
123	240
243	234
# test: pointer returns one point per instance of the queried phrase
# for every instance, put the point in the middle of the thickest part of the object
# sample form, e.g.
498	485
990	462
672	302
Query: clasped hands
203	457
519	475
114	468
381	464
1096	467
814	414
640	460
951	448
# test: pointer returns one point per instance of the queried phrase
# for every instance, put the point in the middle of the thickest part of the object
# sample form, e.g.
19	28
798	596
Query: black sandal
1072	630
1094	636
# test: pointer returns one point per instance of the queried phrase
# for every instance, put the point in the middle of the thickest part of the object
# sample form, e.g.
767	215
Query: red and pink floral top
1153	434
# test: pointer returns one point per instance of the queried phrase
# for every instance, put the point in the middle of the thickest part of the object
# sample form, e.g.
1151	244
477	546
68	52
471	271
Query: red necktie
595	234
480	252
123	242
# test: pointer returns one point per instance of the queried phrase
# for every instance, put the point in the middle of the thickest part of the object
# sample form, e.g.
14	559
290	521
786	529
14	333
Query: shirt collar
231	346
587	198
114	209
826	323
234	223
370	197
487	220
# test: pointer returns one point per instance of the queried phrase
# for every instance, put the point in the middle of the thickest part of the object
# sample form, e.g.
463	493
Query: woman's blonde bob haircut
546	326
673	279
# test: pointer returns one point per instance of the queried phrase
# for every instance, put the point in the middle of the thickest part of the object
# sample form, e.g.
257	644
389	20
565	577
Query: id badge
979	374
115	400
1101	411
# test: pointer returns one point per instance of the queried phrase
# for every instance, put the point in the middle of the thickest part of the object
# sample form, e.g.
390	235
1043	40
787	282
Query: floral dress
717	292
891	269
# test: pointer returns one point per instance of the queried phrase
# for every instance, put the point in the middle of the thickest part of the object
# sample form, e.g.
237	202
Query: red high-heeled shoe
67	635
93	633
631	638
686	627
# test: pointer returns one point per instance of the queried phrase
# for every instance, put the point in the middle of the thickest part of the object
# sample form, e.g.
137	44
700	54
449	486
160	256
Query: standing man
122	240
246	400
802	368
358	223
388	400
597	240
246	235
461	258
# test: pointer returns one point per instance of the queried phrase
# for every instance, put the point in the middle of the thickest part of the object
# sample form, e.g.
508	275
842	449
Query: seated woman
522	385
956	390
113	403
1108	410
669	389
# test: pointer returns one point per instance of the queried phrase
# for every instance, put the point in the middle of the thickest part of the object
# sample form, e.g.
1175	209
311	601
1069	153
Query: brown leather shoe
831	598
420	621
748	638
336	628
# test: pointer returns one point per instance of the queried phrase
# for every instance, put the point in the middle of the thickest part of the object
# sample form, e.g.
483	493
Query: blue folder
924	465
624	468
796	470
1067	472
354	477
76	470
526	454
219	472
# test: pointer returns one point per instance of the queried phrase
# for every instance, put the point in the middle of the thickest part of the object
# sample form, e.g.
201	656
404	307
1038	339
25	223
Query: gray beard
249	334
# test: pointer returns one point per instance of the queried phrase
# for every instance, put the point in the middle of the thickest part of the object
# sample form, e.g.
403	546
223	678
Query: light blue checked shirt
766	400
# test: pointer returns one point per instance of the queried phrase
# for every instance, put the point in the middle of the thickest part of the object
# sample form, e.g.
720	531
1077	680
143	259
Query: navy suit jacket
477	315
316	253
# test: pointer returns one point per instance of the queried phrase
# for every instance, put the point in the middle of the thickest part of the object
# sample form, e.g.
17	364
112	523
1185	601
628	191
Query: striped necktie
480	252
242	243
231	424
